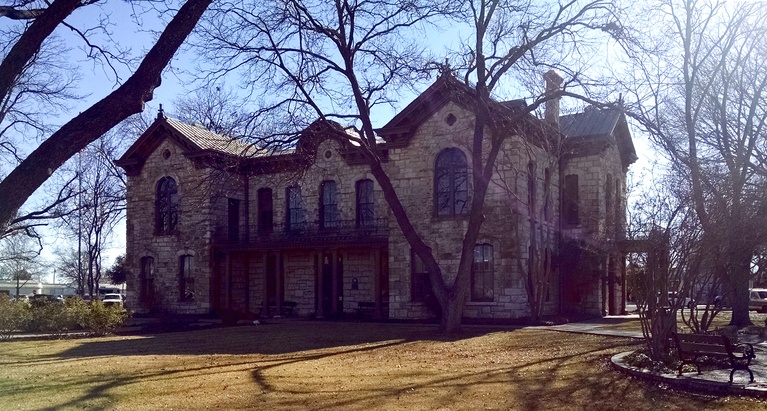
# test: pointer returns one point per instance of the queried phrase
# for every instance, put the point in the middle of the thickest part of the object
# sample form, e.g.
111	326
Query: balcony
307	235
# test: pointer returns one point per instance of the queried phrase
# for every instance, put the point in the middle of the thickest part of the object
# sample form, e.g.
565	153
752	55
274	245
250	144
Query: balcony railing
310	233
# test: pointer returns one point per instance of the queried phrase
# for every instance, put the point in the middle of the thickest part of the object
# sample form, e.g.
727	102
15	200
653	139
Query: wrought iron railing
310	232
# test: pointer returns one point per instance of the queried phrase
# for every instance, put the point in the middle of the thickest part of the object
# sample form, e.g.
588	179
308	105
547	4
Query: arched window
166	206
365	204
451	187
482	273
329	217
294	217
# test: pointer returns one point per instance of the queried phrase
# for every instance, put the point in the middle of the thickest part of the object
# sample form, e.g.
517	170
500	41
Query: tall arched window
451	187
365	204
166	206
329	217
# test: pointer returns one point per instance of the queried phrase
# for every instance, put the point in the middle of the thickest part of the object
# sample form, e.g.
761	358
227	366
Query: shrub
52	317
13	316
99	319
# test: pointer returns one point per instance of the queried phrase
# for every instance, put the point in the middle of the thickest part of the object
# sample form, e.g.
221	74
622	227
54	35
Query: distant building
212	226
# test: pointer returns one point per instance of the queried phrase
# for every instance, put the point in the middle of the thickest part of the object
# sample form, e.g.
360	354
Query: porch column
334	280
320	294
265	285
622	262
278	283
377	281
611	284
247	283
228	279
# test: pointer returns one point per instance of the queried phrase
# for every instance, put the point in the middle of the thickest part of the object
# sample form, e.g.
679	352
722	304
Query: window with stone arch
365	203
166	206
329	215
451	186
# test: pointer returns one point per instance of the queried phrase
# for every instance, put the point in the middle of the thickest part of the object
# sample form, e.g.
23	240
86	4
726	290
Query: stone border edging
696	385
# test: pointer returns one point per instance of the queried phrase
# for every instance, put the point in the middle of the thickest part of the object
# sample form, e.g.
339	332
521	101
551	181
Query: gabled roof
208	140
398	131
593	124
590	122
194	140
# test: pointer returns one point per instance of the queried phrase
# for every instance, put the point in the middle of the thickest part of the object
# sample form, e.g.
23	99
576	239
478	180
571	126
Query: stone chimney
551	111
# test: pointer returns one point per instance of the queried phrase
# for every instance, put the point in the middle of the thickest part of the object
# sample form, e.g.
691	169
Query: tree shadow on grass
272	339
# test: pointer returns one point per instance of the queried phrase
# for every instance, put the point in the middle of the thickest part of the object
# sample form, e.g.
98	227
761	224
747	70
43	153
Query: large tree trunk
127	100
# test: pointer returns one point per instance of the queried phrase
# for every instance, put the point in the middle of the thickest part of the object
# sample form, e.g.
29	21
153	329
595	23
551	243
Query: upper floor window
365	203
482	273
451	187
294	216
547	194
531	188
570	201
166	206
146	280
329	216
234	219
186	278
265	210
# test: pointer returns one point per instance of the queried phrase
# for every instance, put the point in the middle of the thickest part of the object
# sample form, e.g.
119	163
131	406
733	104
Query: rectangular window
234	220
186	278
531	189
365	204
146	280
570	201
482	273
265	210
329	216
420	283
294	217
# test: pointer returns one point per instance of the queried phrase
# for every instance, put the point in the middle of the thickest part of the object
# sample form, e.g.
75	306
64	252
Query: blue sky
133	28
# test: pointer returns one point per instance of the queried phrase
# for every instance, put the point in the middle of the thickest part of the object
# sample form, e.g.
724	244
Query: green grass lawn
307	365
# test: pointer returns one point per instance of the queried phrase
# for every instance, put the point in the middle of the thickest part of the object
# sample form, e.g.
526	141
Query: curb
689	383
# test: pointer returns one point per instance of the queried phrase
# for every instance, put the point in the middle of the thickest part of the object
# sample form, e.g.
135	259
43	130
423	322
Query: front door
332	285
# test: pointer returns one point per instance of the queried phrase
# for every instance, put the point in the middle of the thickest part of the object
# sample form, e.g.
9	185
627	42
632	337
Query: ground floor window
420	283
146	280
482	273
186	278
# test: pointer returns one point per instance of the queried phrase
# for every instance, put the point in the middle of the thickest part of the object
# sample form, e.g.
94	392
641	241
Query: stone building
215	226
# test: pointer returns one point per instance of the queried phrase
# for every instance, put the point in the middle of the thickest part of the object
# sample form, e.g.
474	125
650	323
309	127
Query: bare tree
128	99
340	61
701	97
19	259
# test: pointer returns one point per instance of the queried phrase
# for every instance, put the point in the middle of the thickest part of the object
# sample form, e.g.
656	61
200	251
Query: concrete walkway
708	382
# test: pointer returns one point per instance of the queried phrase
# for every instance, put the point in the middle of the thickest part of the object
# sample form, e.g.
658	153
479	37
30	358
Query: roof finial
160	113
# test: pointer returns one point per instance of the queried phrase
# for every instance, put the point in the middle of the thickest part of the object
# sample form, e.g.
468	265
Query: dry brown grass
315	365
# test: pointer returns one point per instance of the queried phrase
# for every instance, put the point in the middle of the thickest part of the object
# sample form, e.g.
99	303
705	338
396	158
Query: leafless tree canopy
697	88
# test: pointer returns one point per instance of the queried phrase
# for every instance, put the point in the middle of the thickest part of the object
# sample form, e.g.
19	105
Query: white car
757	299
113	299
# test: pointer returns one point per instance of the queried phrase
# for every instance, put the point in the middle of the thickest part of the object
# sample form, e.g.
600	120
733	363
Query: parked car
113	299
757	299
673	299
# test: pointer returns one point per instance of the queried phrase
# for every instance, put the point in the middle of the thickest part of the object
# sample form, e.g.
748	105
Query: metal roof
590	122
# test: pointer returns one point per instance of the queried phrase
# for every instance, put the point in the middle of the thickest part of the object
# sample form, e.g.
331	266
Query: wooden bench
367	309
693	346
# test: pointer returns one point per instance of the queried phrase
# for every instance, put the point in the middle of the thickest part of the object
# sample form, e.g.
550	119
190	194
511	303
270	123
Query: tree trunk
76	134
